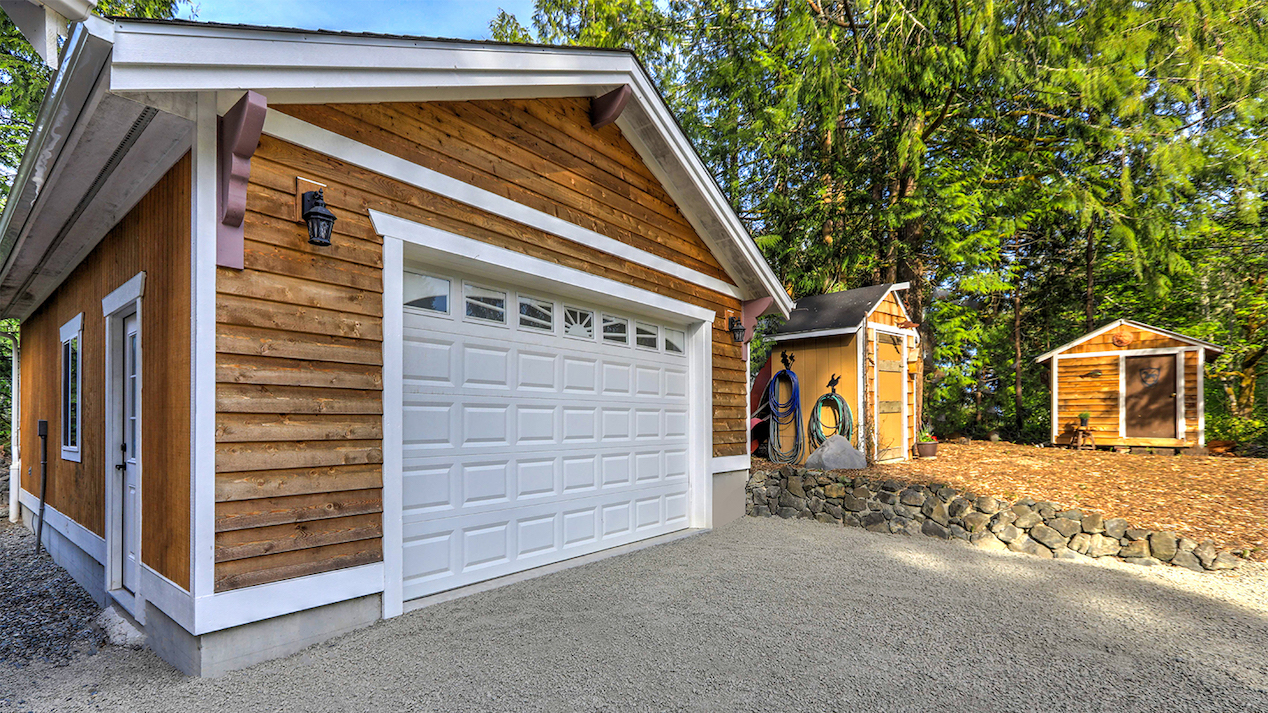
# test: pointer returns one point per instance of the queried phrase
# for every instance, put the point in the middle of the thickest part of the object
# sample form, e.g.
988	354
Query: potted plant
926	444
1083	417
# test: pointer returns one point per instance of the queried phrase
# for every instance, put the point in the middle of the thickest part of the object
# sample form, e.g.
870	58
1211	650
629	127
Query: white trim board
818	333
465	253
225	610
393	443
130	291
1139	325
730	464
1126	352
327	142
202	385
82	537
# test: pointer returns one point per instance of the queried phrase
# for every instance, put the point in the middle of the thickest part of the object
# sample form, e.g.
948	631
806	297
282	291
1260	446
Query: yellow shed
830	335
1139	386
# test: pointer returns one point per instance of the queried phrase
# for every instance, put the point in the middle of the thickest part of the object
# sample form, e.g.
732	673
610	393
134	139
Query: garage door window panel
578	323
484	304
537	314
646	336
616	330
427	292
675	341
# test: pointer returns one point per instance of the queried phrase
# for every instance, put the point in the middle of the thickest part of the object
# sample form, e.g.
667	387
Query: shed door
535	430
889	397
1150	398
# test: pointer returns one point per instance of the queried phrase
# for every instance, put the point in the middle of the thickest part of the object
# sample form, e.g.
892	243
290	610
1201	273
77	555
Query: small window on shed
485	304
427	292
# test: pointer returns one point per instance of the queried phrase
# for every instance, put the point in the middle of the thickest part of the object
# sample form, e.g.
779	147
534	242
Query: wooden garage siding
582	166
153	237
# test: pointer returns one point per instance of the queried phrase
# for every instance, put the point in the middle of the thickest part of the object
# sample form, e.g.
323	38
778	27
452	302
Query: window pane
674	340
66	394
579	323
425	292
645	335
487	304
73	391
616	329
537	314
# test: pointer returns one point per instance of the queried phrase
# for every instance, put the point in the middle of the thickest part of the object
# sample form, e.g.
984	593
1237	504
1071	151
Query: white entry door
130	527
535	429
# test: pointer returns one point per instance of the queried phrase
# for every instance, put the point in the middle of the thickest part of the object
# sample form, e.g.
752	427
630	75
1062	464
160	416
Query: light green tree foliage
24	77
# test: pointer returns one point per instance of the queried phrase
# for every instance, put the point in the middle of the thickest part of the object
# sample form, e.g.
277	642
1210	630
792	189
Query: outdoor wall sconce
319	218
735	326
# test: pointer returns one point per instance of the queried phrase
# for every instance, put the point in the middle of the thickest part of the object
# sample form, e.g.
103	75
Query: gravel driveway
760	615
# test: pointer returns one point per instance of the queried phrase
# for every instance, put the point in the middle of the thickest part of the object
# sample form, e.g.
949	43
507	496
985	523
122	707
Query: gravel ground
44	615
763	614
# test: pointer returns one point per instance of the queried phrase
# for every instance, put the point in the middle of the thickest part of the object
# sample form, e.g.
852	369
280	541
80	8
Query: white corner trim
468	251
84	539
202	378
1056	402
73	327
1181	425
168	596
225	610
127	293
815	334
1122	394
729	464
1201	397
700	423
393	435
312	137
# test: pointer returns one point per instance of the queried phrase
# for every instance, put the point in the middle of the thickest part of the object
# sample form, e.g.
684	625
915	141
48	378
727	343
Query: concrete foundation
220	652
728	496
86	571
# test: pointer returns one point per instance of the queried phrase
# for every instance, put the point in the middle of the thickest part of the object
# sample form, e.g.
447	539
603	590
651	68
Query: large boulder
836	453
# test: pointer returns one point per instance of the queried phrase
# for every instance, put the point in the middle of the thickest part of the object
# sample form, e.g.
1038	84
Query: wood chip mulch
1220	499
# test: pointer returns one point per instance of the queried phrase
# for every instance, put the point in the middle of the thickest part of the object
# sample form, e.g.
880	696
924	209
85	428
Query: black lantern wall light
735	326
321	222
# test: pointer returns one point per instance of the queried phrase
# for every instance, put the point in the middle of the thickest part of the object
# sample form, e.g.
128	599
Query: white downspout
15	401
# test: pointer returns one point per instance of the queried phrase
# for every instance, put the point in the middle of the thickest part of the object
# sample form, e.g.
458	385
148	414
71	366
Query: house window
537	314
72	334
427	292
485	304
578	323
645	335
674	341
616	329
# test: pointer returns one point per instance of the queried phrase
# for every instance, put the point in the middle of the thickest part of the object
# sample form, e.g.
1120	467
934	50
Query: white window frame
448	313
656	327
537	330
506	305
72	330
594	323
603	336
682	341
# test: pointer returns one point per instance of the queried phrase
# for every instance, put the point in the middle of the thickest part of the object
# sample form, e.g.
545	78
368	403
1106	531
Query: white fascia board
730	464
1094	333
288	65
304	134
469	253
811	335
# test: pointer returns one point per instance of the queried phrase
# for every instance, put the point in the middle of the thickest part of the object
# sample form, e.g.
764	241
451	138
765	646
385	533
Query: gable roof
1139	325
134	81
835	312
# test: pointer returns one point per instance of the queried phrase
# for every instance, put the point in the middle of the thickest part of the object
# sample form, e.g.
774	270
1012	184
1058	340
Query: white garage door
536	429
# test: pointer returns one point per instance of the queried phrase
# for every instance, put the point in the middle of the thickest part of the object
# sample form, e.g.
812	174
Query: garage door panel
499	543
523	447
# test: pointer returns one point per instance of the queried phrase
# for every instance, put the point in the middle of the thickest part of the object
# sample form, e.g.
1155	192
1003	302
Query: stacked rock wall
1034	527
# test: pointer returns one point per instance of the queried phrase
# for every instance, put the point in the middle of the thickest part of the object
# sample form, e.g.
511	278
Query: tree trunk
1017	408
1089	304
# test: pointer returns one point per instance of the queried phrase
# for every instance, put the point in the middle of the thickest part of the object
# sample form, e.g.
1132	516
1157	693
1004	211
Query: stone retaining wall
1038	528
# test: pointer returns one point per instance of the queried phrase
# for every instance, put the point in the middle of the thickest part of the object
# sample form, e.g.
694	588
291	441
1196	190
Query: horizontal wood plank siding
300	329
153	237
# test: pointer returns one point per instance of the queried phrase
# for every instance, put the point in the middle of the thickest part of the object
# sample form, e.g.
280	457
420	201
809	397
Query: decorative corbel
605	109
238	136
750	311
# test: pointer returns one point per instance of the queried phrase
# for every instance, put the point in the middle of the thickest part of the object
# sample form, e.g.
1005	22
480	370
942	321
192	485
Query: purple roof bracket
605	109
750	311
237	137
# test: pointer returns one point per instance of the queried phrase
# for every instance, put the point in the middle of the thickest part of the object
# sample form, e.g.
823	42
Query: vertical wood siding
299	343
153	237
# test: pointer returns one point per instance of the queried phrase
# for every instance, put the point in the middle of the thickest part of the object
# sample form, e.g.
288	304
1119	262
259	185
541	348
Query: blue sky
467	19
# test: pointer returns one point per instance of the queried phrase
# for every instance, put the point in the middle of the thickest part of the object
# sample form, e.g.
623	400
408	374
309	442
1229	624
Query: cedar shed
1141	386
831	335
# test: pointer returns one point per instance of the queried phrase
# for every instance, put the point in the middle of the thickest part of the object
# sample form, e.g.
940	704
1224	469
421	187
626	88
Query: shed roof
836	310
1215	349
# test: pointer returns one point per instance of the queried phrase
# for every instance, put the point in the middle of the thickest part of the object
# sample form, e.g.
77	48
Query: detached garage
399	316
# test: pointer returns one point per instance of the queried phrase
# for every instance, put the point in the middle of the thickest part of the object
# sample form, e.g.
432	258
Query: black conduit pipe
42	429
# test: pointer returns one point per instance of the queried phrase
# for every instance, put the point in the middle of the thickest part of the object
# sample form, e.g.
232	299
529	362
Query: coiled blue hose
783	413
845	419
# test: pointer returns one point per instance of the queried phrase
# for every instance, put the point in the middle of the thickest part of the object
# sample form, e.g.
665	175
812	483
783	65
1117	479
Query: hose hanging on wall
845	417
784	413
